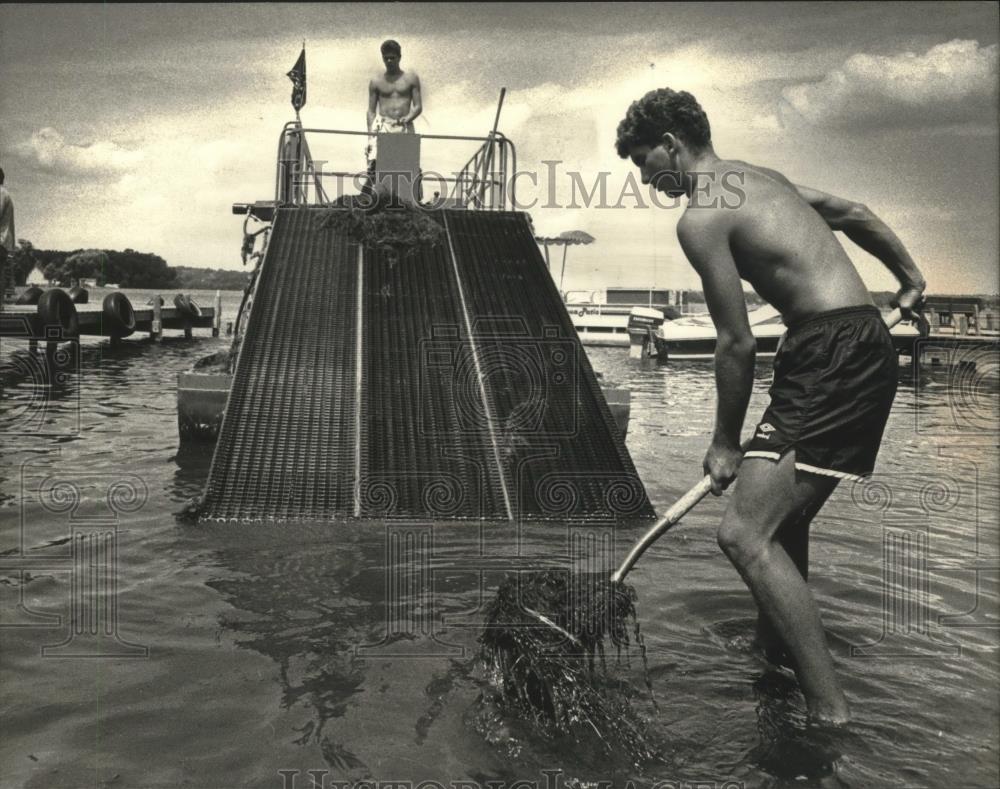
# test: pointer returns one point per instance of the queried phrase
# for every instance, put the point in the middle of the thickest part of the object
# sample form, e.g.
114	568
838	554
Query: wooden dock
24	322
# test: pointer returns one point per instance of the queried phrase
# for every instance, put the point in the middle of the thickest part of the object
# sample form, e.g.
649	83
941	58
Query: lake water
232	656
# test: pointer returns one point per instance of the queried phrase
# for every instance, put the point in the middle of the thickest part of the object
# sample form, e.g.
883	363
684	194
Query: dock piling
217	317
156	325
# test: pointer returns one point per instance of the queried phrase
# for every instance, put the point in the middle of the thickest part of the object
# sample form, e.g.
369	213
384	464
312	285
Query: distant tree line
127	268
210	278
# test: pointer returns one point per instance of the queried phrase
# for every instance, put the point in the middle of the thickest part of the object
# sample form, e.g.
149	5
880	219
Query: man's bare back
778	241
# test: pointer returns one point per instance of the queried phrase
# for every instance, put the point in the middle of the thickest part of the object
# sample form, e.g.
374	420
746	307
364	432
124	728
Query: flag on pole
298	77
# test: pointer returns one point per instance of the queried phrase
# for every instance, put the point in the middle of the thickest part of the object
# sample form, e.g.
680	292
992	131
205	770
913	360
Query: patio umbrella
564	240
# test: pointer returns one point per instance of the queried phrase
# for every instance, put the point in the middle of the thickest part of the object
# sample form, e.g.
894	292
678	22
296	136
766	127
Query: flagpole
302	137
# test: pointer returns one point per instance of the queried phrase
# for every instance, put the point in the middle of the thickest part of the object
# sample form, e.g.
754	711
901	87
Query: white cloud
951	82
52	151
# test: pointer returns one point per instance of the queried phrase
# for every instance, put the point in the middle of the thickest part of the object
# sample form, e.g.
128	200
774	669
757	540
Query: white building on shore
37	277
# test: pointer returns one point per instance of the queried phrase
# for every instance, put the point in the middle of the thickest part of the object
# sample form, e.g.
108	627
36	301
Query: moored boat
602	323
693	336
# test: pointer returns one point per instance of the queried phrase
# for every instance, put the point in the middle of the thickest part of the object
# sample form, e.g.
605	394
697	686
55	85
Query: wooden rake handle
680	508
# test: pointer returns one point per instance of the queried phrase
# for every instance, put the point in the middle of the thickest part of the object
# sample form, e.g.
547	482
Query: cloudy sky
138	126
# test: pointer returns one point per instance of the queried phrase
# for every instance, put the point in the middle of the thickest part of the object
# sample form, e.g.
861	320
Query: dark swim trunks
835	379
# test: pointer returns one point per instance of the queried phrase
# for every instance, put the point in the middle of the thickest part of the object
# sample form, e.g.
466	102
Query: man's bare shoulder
763	191
703	226
700	219
768	173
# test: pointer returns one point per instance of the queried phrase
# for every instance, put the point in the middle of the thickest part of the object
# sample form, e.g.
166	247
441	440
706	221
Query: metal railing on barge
481	184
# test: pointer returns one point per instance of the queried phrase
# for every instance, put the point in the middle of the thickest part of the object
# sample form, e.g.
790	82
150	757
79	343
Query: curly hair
661	111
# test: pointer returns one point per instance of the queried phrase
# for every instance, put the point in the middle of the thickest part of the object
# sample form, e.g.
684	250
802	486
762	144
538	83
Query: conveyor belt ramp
449	385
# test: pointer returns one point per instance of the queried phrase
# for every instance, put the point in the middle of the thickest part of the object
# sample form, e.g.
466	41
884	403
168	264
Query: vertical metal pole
503	177
283	170
488	160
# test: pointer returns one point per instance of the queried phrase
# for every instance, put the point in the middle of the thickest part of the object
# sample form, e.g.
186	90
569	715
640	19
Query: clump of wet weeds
395	228
546	645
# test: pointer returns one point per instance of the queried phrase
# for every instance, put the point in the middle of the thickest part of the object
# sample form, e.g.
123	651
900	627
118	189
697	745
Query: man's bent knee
741	540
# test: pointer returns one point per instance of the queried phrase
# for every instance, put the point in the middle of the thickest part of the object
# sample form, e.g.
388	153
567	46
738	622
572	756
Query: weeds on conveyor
398	229
544	650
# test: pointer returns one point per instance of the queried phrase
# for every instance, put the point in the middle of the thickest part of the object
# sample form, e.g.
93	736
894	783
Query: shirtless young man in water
834	378
393	97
